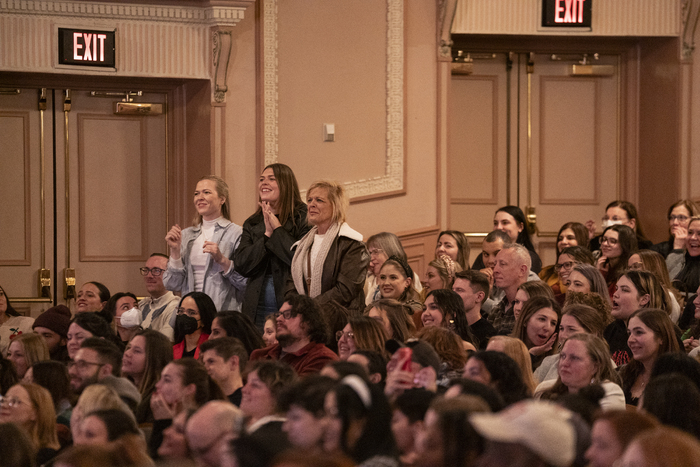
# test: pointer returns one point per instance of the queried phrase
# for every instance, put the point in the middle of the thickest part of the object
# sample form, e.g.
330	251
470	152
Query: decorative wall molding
152	40
222	42
446	16
392	182
690	14
610	18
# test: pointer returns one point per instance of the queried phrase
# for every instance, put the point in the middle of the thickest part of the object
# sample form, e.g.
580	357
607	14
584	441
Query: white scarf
299	263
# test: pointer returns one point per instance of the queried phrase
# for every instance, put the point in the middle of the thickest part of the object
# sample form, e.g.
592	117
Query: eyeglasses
375	252
155	271
680	218
339	335
609	240
565	266
286	314
189	312
11	402
83	365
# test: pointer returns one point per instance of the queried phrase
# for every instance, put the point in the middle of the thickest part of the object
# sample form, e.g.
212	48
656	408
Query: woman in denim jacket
201	256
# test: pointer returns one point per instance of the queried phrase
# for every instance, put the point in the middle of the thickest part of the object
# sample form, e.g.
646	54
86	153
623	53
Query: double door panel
533	130
84	193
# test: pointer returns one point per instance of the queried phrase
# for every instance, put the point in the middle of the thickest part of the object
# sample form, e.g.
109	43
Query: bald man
510	272
210	428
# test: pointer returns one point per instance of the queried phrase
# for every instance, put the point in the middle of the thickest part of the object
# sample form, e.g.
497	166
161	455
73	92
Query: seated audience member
424	368
679	215
195	314
453	244
302	332
585	278
96	359
16	446
361	333
677	362
104	426
52	325
617	245
124	303
440	273
500	372
224	358
492	244
469	387
144	359
684	267
92	298
515	349
54	377
509	273
270	331
13	324
396	282
651	334
174	446
538	327
407	421
663	446
570	234
86	325
381	247
8	375
675	401
184	384
445	308
210	428
30	407
527	291
647	260
394	317
358	423
373	362
612	432
303	404
25	350
511	439
158	310
264	383
584	360
449	348
94	397
240	326
635	290
473	287
621	213
575	318
447	438
340	369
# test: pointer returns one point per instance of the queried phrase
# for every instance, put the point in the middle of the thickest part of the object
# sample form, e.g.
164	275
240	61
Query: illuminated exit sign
566	13
85	47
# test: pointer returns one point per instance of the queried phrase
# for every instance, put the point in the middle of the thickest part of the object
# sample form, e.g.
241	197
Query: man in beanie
52	325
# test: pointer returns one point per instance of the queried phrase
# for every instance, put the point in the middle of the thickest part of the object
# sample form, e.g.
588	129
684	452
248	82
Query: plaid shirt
501	317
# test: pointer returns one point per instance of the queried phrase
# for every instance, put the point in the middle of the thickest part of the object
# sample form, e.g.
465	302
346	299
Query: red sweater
307	360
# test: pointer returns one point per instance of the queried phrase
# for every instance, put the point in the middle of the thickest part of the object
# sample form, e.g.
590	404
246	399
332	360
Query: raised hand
174	239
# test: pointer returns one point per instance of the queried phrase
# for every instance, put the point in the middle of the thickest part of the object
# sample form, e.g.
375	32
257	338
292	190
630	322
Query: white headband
358	385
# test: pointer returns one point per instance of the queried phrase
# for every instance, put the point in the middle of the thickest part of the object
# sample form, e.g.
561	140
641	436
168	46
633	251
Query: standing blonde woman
330	262
201	255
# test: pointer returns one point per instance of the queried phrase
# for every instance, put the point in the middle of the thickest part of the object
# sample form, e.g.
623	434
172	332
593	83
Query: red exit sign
85	47
566	13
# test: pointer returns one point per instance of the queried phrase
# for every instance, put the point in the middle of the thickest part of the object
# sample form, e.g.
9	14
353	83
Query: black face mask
184	325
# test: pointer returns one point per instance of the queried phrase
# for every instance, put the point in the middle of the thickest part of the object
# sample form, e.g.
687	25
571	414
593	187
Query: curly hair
275	375
447	344
311	317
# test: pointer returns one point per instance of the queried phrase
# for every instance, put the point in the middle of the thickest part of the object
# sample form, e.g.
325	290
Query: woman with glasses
617	244
201	256
383	246
618	213
195	315
361	333
30	407
570	234
679	215
265	254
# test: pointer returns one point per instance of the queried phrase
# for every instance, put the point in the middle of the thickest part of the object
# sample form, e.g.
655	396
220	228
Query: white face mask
608	222
130	318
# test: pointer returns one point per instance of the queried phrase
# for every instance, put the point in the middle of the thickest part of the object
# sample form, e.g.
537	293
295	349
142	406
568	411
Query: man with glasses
95	360
302	331
158	309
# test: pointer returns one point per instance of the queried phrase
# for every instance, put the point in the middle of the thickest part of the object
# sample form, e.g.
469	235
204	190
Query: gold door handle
69	284
531	217
44	283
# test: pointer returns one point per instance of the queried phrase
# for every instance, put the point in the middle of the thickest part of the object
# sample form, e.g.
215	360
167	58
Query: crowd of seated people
291	341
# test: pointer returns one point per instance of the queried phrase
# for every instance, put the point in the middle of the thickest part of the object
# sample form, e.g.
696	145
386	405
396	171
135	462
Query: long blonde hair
43	430
516	349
